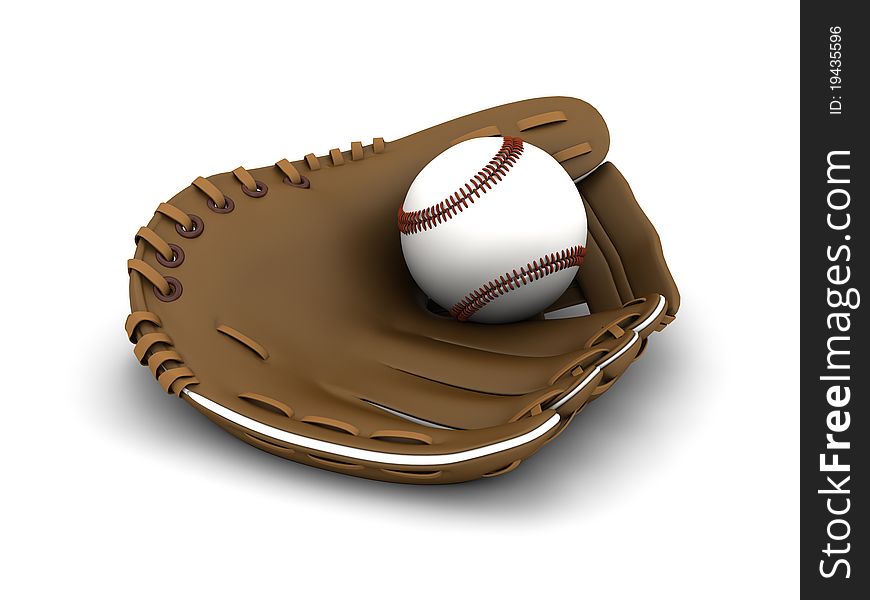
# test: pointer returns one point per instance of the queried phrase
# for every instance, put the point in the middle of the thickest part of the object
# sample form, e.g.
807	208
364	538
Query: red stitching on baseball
546	265
427	218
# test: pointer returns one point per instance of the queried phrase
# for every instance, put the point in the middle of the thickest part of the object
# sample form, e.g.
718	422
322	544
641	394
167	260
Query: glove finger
624	258
489	373
430	403
586	372
541	338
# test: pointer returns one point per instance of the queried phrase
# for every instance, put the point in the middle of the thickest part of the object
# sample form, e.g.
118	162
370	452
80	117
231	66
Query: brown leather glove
276	302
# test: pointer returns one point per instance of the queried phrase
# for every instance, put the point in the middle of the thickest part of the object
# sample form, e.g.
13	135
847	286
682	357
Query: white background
680	482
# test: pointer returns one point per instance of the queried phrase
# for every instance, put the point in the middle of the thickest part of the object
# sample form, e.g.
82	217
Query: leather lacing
156	350
189	225
155	347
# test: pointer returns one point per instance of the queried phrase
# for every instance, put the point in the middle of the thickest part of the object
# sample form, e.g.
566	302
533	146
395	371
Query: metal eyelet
228	206
198	227
304	184
261	190
174	290
177	257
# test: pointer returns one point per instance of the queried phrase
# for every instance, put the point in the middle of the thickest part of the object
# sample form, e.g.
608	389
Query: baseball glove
277	303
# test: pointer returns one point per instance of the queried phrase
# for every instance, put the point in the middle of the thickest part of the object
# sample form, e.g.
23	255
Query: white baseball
493	229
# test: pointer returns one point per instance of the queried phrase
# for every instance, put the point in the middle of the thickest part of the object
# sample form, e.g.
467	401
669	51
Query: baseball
493	229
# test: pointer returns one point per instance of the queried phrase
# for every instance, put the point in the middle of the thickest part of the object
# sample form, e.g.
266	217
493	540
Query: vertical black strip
835	362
